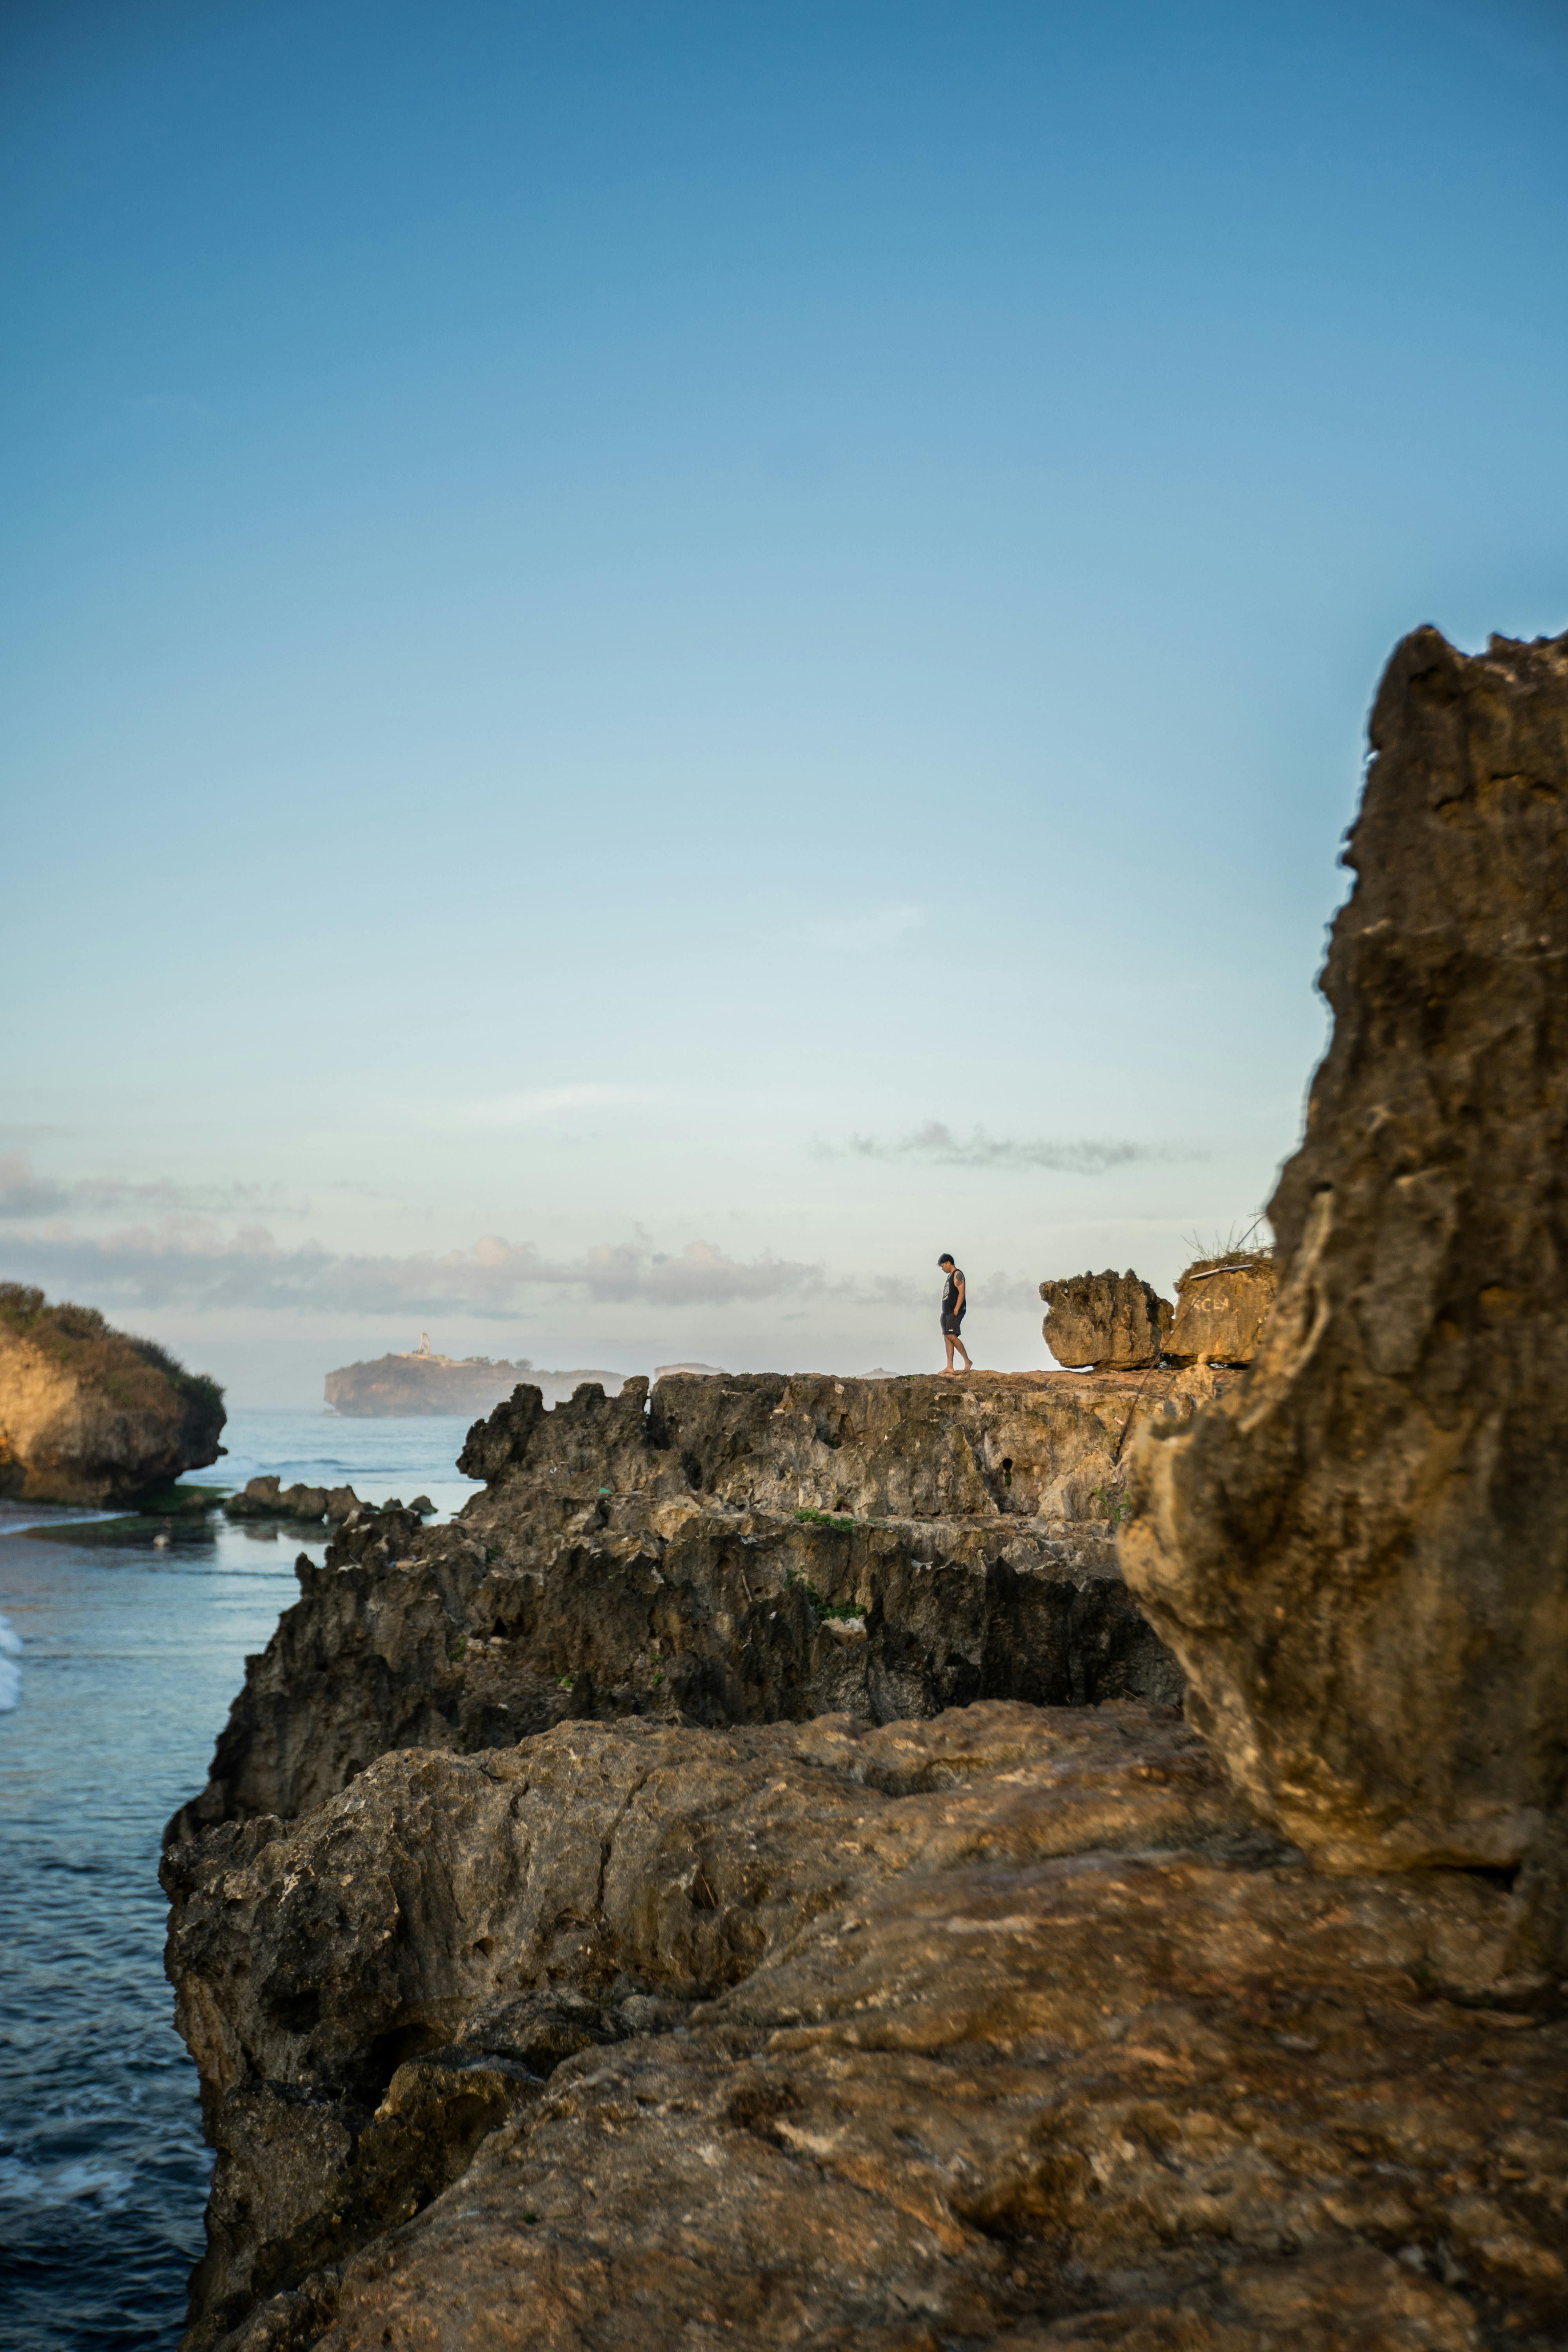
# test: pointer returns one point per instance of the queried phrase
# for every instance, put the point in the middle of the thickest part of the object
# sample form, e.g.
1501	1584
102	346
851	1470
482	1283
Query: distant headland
424	1382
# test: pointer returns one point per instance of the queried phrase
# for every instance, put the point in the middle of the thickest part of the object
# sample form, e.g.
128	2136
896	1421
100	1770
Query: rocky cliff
729	1550
672	1906
1362	1558
88	1415
756	1993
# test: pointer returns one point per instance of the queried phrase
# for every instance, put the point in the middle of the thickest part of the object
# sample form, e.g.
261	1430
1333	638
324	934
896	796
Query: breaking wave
10	1671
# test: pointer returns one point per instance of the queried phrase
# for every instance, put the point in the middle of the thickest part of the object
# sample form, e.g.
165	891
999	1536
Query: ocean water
117	1662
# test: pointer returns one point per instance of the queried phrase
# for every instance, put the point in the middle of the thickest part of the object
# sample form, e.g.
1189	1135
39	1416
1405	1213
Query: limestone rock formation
1115	1322
1001	2029
1222	1304
731	1551
1360	1557
88	1415
600	1934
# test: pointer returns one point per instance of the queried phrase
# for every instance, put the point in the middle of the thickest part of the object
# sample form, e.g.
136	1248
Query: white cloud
936	1144
26	1195
191	1260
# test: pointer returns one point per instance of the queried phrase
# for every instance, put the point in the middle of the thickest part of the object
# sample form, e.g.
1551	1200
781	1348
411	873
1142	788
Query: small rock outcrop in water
1361	1557
737	2004
1222	1306
268	1498
407	1387
1115	1322
88	1415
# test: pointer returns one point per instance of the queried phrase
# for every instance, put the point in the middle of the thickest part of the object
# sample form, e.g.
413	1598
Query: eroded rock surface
743	1550
1361	1557
1115	1322
1221	1311
992	1444
1002	2027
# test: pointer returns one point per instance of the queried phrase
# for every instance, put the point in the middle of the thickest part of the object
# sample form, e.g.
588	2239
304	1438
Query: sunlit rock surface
1115	1322
1003	2027
88	1415
1221	1307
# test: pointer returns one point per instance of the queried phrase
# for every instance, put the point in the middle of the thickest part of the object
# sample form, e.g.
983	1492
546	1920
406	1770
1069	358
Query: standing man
954	1300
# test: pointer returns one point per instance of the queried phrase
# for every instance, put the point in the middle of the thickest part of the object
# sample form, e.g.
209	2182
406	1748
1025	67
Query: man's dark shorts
950	1325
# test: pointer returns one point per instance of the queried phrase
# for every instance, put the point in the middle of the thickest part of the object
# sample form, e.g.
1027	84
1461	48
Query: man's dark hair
947	1258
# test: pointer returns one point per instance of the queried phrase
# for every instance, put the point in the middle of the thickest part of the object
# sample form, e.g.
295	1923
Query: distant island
424	1382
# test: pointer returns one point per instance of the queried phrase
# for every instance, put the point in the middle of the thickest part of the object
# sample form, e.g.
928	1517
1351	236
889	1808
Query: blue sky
658	659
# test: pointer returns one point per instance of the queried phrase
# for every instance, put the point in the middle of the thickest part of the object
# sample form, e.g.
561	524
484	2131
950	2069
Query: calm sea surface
117	1666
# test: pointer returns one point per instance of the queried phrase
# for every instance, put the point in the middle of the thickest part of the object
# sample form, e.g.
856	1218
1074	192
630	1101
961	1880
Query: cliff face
1361	1558
751	1996
733	1551
89	1415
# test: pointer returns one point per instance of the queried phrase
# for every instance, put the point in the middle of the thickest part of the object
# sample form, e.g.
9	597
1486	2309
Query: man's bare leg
965	1353
949	1365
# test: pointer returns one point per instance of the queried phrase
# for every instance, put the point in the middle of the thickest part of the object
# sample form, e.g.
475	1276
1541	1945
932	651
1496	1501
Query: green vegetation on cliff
81	1340
88	1415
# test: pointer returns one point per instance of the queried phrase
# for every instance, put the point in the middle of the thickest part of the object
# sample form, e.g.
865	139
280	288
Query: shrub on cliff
81	1338
132	1372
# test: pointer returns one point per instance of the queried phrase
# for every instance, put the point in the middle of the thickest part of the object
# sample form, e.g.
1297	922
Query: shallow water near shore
119	1667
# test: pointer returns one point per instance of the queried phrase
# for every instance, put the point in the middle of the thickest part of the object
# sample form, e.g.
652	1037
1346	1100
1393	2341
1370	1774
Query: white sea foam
10	1672
66	2184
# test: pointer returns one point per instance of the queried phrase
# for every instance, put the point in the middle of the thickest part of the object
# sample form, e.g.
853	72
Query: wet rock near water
268	1498
1112	1322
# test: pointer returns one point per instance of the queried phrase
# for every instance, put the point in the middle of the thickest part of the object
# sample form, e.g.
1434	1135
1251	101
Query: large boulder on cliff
88	1415
1222	1304
1360	1557
1115	1322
